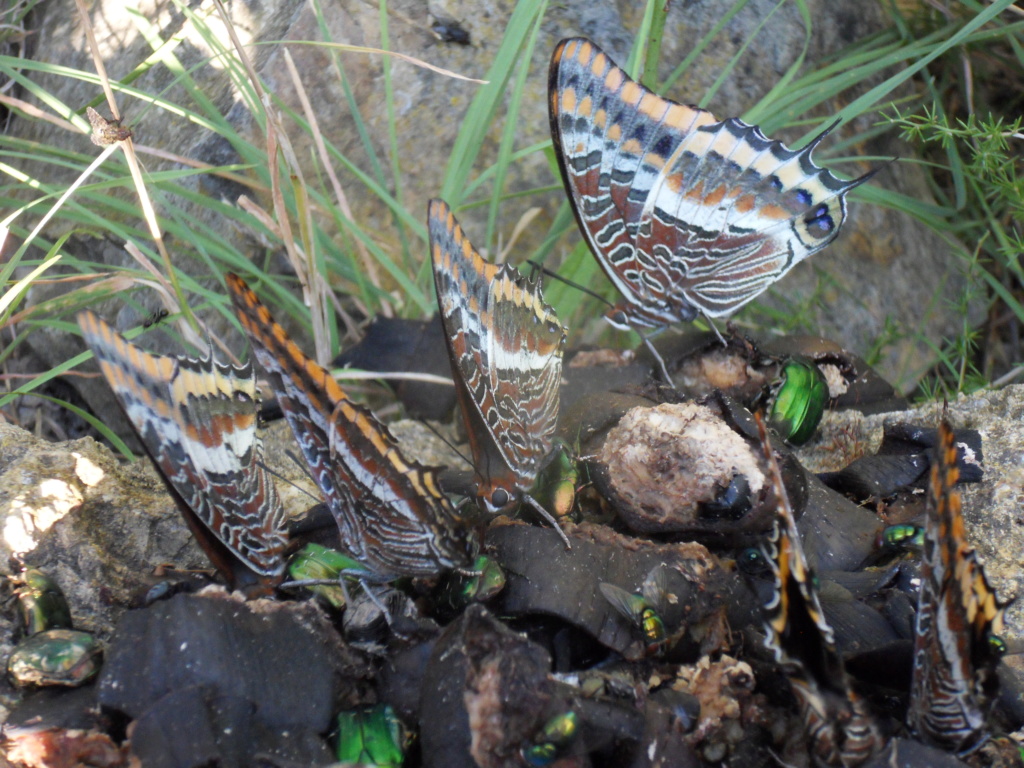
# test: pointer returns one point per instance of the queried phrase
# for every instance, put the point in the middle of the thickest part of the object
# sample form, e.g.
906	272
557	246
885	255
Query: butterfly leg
619	318
662	370
528	499
375	599
714	328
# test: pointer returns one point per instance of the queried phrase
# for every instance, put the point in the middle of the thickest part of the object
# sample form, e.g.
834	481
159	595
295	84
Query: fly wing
628	605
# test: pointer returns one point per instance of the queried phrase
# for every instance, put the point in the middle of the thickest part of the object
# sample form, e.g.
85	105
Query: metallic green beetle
314	562
552	740
55	657
372	737
556	483
460	590
902	537
41	603
798	401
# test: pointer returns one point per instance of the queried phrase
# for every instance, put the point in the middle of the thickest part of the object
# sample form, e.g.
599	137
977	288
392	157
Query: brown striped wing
958	616
506	347
684	213
390	511
197	420
840	729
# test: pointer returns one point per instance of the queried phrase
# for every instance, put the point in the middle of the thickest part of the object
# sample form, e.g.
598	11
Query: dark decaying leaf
543	578
400	345
902	461
229	662
197	726
487	696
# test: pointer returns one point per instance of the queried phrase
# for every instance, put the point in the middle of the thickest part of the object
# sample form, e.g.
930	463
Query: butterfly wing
390	511
684	213
733	211
958	616
612	137
839	728
197	420
506	347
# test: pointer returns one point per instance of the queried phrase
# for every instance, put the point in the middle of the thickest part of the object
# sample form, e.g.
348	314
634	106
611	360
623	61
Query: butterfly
505	346
197	420
685	214
959	620
390	511
839	726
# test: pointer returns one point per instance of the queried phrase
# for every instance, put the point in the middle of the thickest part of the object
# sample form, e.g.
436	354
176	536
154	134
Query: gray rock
95	526
993	508
99	527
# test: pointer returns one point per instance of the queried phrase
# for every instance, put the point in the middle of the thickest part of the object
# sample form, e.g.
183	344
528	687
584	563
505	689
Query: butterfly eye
618	319
500	498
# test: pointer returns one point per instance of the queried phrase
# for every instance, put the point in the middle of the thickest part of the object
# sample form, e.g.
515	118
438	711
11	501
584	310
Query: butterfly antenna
302	465
572	284
447	442
284	479
536	506
662	369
